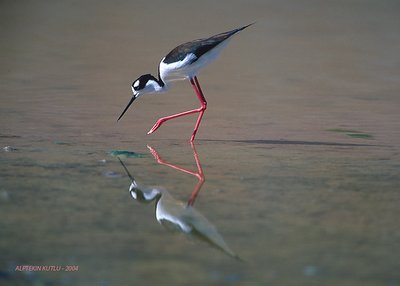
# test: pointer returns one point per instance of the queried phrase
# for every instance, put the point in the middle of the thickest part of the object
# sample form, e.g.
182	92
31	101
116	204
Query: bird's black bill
126	108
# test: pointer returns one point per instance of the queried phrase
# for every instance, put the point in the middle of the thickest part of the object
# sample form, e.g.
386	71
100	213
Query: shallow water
299	146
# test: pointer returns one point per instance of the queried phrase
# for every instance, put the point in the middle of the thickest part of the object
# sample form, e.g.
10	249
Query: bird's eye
135	85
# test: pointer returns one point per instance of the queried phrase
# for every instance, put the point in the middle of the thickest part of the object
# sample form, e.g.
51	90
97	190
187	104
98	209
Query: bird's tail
232	32
244	27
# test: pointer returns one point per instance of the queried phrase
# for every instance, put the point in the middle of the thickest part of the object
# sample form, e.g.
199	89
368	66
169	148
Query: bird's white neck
156	85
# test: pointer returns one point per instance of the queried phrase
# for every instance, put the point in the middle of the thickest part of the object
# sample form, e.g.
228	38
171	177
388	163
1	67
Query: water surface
299	145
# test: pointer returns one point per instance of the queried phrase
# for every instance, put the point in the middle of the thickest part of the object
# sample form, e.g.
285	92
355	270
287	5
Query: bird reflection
179	215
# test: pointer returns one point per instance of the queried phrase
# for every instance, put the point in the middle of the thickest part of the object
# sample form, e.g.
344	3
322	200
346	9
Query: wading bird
183	62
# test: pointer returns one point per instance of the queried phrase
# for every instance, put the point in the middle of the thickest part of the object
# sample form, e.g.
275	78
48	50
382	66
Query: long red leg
203	107
196	86
199	174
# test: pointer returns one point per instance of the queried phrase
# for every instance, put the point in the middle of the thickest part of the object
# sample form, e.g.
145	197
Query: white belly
186	68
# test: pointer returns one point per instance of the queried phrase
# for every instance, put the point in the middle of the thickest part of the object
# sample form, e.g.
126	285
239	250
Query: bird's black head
145	84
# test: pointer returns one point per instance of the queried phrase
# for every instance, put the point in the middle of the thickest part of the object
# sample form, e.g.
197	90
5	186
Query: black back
199	47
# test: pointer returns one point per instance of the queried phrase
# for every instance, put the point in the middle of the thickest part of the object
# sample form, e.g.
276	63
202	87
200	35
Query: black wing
199	47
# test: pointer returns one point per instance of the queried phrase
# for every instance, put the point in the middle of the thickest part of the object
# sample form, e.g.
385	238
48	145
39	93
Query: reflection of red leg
196	86
199	174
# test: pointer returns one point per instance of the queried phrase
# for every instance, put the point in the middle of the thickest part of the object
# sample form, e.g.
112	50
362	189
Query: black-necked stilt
183	62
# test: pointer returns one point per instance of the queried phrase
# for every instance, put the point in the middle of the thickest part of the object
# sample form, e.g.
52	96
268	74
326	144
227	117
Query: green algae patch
126	154
351	133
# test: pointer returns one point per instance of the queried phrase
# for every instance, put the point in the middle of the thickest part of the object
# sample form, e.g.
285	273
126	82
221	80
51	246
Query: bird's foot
156	125
192	137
